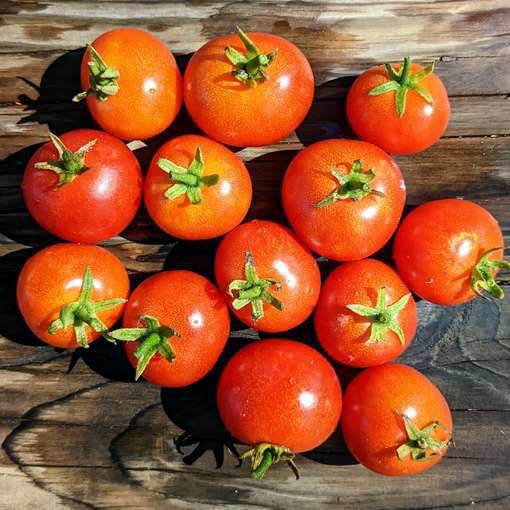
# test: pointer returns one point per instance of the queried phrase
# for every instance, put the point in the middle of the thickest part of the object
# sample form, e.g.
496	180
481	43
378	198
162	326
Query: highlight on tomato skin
449	251
395	421
279	397
248	89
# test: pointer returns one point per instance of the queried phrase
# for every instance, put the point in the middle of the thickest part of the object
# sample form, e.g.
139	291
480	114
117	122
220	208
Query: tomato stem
264	455
483	275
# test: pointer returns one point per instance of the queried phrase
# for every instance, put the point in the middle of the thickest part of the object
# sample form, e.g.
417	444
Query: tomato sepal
264	455
483	277
84	312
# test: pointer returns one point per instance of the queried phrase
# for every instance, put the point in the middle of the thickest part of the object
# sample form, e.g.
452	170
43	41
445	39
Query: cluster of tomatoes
343	200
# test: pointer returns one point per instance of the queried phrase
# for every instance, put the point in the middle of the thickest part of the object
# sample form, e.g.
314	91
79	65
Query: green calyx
70	164
264	455
382	317
482	275
421	446
355	185
84	312
401	82
187	180
251	67
153	340
253	291
102	78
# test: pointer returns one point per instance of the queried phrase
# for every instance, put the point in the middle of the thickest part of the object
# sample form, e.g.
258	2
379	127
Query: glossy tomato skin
191	305
342	333
237	114
277	254
150	84
95	205
372	424
280	392
346	229
438	244
223	205
374	118
53	277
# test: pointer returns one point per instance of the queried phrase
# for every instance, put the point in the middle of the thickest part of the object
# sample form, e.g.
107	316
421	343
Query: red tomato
395	421
281	397
69	294
402	110
365	316
132	83
196	188
84	186
271	282
343	198
248	89
443	251
176	325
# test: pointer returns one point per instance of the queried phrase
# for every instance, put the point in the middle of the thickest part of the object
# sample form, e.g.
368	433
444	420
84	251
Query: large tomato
132	83
84	187
69	294
395	421
270	281
281	397
248	89
403	109
176	325
343	198
448	251
365	315
196	188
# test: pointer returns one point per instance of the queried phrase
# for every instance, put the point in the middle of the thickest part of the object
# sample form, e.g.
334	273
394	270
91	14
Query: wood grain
91	438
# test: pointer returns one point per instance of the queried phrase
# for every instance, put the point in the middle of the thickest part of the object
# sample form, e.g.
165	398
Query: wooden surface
91	439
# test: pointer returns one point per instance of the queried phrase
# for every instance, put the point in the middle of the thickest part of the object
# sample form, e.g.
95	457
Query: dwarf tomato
196	188
395	421
176	325
448	251
270	281
69	294
132	83
343	198
365	315
248	89
281	397
84	186
402	110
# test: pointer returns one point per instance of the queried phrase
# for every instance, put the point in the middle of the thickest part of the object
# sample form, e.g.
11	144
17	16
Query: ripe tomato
75	285
85	186
132	83
176	325
402	110
197	188
248	89
343	198
448	251
281	397
271	282
365	315
395	421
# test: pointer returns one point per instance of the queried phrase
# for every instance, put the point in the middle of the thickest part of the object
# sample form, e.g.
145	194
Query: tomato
248	89
132	83
197	188
176	325
84	187
270	281
74	285
395	421
448	251
343	198
365	315
403	109
281	397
